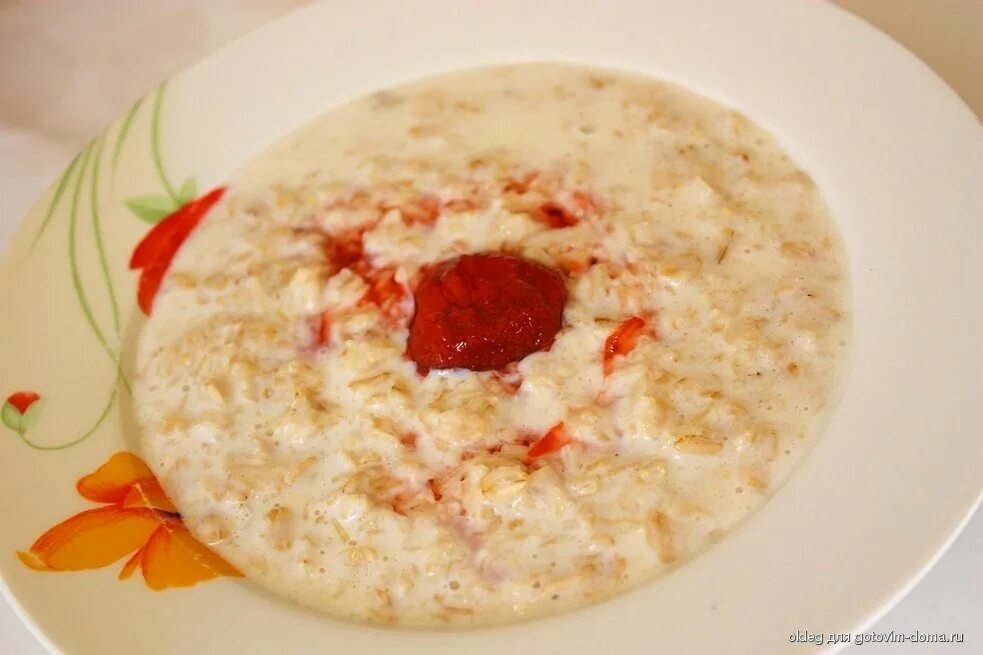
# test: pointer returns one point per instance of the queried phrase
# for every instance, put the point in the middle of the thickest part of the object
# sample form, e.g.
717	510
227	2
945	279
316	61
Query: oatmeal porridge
492	345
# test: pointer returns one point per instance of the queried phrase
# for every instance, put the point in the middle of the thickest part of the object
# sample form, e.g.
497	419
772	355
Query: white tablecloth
68	67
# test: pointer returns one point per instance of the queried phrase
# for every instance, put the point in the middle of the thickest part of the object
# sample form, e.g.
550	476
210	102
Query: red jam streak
385	293
153	255
623	340
555	215
484	311
347	250
322	330
551	442
424	211
505	381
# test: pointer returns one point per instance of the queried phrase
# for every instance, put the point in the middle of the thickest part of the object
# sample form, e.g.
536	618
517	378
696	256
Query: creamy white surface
287	459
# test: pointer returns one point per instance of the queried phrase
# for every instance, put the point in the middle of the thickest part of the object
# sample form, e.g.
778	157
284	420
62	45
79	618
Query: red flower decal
153	255
21	411
21	400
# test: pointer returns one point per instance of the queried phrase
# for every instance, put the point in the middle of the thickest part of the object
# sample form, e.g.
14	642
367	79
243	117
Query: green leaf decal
11	417
188	191
30	418
151	208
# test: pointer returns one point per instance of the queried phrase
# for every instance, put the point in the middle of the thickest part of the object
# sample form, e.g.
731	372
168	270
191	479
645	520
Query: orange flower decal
136	518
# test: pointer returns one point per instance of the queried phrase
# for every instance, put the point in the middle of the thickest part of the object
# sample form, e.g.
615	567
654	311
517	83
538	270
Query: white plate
897	155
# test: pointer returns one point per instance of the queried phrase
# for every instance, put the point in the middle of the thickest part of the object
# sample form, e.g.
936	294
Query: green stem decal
123	131
97	233
22	410
104	262
155	143
73	255
85	435
55	200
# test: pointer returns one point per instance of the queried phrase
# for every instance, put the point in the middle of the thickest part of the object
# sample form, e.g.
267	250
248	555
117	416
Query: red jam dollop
484	311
